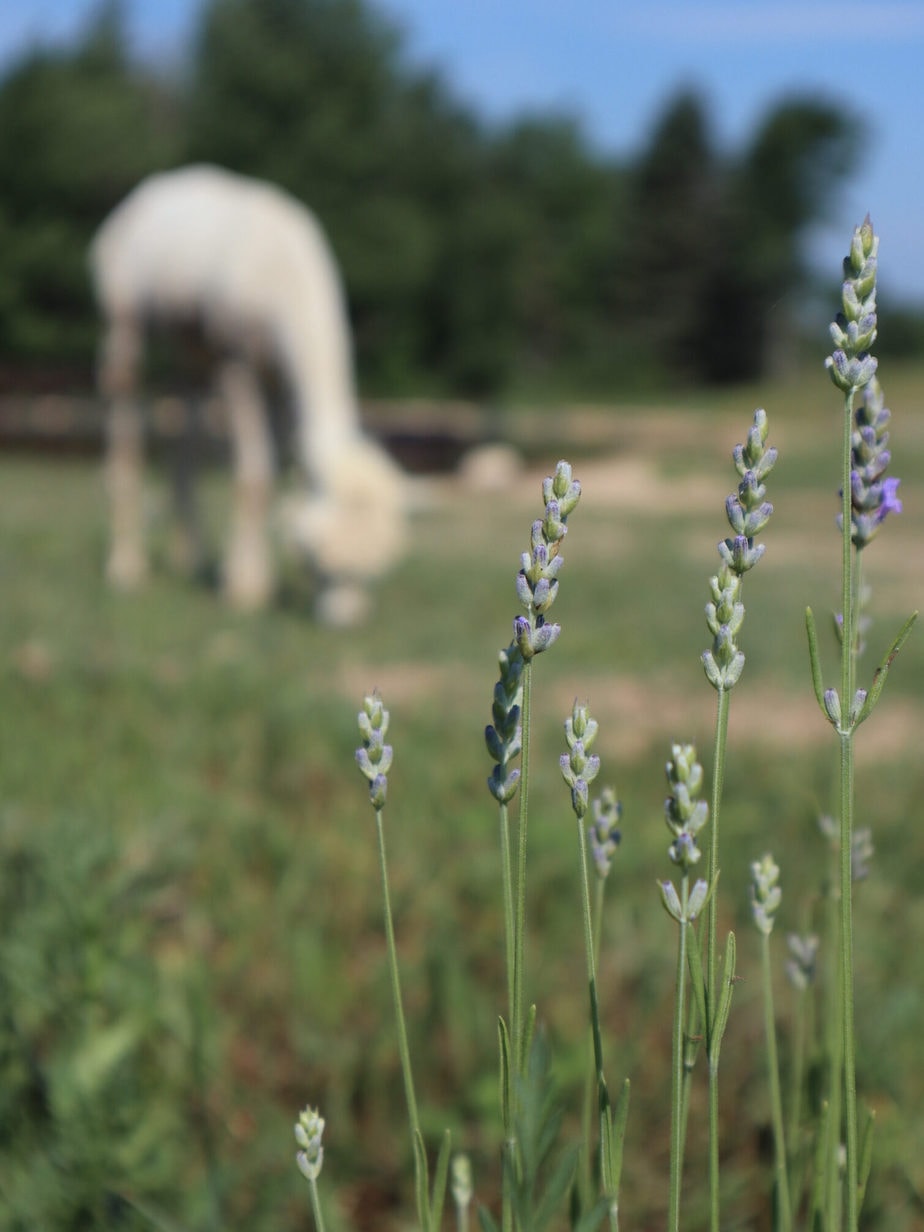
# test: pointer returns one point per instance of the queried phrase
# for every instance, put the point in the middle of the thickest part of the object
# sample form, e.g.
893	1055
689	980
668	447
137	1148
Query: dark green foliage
676	201
783	183
88	1033
540	1181
478	262
78	128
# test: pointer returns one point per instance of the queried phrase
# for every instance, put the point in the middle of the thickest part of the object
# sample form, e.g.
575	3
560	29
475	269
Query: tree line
478	260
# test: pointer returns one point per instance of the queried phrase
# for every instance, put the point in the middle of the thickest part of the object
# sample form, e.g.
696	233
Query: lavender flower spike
578	767
684	813
872	497
801	966
604	834
537	589
765	893
748	513
853	331
374	757
308	1131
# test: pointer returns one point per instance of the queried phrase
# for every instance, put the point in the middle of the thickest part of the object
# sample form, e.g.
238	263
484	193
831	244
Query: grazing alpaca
251	267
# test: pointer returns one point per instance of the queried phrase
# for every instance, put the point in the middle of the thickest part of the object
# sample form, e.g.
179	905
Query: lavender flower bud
765	893
851	374
800	968
537	590
684	813
748	513
740	554
697	899
872	497
504	737
461	1182
671	900
579	768
308	1131
604	833
563	488
503	787
859	701
854	329
374	757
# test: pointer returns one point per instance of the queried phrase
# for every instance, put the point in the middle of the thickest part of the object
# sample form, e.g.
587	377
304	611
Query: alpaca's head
351	530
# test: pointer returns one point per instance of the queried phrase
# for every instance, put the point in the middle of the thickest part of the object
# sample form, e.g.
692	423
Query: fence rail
423	434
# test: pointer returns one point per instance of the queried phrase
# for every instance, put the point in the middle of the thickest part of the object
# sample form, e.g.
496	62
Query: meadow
190	923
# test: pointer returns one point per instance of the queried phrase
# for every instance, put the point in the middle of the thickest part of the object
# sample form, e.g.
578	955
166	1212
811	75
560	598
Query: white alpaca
252	267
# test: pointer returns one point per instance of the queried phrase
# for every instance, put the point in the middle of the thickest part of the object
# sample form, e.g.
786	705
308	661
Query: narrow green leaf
819	1185
879	676
698	982
528	1037
503	1040
421	1183
592	1219
723	1007
606	1152
158	1218
486	1219
603	1095
866	1155
614	1139
817	680
439	1183
557	1188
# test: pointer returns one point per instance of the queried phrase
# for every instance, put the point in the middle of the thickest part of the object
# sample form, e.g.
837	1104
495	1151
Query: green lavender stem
316	1206
602	1093
835	1042
519	948
802	1035
510	943
509	926
590	1082
718	780
403	1050
676	1171
846	731
784	1201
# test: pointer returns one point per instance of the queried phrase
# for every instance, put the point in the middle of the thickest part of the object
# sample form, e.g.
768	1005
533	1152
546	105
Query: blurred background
574	230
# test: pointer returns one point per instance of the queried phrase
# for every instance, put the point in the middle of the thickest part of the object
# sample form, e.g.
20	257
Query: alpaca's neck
316	354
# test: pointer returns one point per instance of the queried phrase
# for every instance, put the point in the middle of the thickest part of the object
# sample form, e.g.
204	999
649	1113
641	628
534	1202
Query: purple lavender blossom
890	502
604	835
872	497
684	813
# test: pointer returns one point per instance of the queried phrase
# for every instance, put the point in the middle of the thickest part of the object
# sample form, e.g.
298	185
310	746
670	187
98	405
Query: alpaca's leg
118	381
188	545
248	571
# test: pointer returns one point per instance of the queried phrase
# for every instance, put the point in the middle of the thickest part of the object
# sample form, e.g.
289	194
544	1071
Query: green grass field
190	927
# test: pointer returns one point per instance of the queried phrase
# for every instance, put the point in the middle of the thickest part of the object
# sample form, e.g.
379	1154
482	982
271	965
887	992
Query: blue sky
613	65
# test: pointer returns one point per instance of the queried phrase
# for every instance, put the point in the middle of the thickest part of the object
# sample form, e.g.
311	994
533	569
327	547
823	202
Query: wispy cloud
780	22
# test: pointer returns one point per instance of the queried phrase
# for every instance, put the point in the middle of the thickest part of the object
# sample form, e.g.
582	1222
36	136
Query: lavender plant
374	758
579	768
534	1185
308	1131
867	498
508	737
765	901
748	512
686	814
